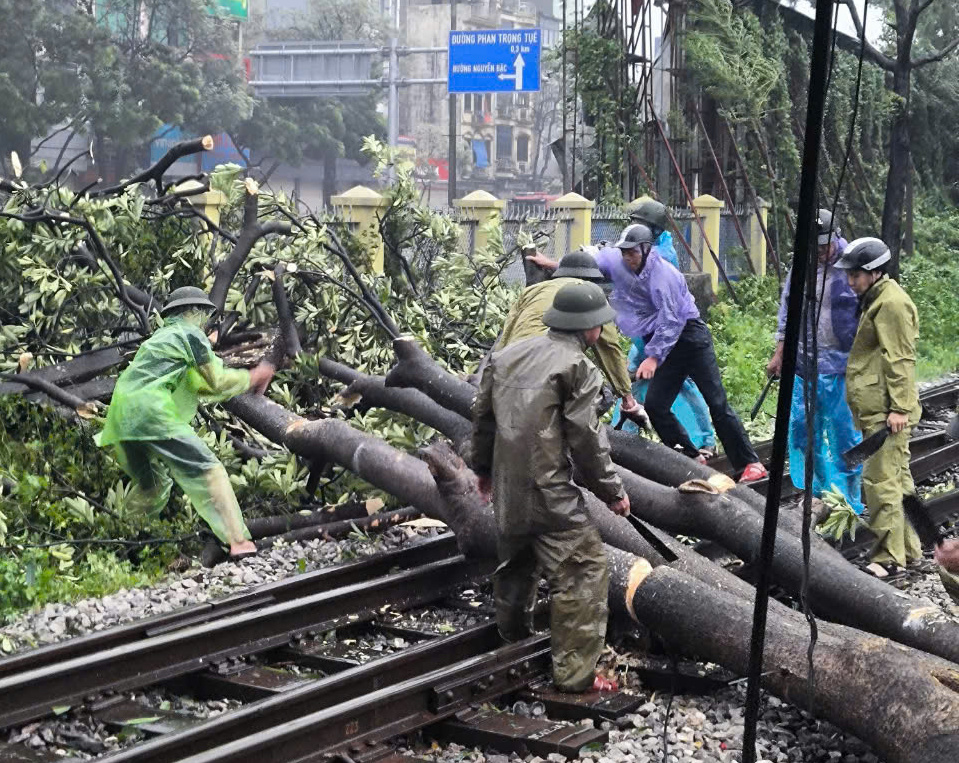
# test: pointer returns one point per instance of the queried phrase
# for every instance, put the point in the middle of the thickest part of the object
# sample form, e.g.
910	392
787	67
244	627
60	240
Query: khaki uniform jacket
881	372
533	418
525	319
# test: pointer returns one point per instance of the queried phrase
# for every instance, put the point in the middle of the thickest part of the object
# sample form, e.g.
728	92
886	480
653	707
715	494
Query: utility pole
392	106
451	151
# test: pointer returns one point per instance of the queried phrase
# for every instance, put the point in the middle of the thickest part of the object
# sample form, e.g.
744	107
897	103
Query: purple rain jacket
838	320
654	304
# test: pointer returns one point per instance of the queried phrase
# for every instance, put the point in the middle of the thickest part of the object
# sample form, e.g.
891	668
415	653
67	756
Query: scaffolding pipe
689	199
753	199
726	194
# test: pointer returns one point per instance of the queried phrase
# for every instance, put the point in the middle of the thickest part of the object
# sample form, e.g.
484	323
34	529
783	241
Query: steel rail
33	693
390	711
307	584
319	695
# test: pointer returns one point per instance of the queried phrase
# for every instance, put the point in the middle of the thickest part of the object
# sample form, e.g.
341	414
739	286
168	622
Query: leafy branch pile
82	272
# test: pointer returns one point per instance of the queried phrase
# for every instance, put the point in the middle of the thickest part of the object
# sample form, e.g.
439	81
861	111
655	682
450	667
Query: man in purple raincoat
652	301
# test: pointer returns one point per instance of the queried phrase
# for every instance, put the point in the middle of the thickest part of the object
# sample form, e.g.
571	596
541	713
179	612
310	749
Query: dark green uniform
525	319
534	417
881	378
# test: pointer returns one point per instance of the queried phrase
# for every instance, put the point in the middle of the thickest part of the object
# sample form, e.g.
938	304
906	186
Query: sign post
495	61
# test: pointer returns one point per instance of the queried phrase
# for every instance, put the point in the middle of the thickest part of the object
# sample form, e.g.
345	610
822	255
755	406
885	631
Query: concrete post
209	203
708	208
483	209
757	241
579	211
361	206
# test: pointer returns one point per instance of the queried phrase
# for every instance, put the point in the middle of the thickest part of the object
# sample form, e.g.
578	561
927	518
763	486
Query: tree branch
939	55
876	56
156	172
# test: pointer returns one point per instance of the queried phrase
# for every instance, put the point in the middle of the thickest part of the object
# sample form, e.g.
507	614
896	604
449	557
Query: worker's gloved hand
260	377
591	250
947	555
620	507
635	412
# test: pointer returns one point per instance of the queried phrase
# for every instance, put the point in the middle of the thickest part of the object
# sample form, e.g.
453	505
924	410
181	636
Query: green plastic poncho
149	424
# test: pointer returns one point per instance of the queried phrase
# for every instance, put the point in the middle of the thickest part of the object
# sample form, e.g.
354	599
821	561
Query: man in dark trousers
534	419
652	301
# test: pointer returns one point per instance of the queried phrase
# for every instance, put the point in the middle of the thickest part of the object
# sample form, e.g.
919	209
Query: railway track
288	652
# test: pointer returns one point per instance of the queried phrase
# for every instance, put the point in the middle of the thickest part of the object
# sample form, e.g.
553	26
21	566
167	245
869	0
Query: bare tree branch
876	56
939	55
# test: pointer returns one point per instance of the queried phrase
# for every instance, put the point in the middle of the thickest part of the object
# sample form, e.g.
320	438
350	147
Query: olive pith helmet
579	307
651	213
864	254
578	265
187	296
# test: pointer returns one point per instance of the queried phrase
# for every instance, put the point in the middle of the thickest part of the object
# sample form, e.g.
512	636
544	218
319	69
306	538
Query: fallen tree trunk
837	589
912	714
374	393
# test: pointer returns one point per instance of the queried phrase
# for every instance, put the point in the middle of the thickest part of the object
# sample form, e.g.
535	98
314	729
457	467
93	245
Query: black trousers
693	356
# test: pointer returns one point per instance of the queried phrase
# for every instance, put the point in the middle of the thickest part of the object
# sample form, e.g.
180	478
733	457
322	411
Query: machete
653	539
762	397
858	454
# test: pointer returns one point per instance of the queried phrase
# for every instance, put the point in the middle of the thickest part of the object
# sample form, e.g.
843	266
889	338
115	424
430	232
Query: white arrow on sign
517	78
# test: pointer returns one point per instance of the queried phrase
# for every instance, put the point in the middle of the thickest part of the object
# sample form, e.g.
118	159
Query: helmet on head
826	227
865	254
579	307
578	264
634	235
651	213
187	296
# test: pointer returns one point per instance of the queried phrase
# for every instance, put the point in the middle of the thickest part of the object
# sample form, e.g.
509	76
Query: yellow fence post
483	209
757	241
708	208
579	231
361	206
209	202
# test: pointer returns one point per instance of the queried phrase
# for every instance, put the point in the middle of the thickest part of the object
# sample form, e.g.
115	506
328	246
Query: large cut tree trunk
837	589
904	706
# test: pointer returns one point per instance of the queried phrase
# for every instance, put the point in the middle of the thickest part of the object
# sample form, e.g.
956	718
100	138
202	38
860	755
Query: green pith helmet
187	296
651	213
578	264
579	307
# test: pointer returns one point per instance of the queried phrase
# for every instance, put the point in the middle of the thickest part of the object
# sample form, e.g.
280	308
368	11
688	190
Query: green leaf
141	721
60	709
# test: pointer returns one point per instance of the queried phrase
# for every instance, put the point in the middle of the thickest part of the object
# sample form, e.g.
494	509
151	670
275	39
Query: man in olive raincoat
534	419
881	391
149	420
525	319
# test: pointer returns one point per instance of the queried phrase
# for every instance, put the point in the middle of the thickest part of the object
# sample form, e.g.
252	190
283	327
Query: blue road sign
494	60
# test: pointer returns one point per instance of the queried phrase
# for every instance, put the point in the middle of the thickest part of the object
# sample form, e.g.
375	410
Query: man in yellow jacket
881	390
525	320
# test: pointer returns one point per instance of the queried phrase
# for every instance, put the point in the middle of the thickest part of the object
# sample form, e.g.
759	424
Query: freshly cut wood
837	589
904	704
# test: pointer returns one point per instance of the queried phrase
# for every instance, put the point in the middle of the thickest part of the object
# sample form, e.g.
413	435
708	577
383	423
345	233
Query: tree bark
900	157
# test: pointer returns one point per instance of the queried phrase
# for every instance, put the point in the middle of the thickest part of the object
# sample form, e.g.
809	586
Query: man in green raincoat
534	419
148	424
881	391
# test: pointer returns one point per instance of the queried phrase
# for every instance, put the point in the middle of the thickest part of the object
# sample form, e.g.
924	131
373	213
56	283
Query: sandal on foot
601	683
753	472
242	555
883	571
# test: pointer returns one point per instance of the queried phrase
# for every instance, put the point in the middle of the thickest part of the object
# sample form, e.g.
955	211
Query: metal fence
541	222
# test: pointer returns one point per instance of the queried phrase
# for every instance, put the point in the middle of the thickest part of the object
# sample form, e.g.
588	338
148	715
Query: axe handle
762	397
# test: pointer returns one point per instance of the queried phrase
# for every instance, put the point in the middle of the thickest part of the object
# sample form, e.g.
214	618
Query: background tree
116	70
910	51
292	129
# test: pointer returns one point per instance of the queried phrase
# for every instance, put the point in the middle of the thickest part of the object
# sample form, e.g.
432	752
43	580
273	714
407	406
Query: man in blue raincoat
834	327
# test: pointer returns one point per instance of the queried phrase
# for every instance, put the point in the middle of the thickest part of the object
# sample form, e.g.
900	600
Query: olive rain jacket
525	319
533	419
881	371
